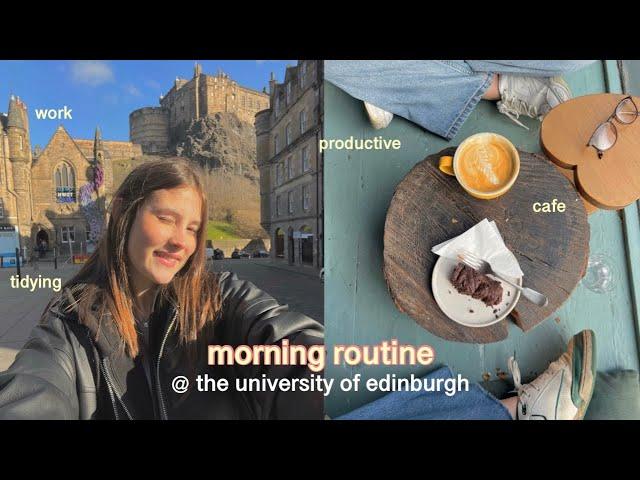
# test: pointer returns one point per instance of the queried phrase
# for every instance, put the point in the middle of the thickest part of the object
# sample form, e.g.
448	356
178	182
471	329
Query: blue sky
105	92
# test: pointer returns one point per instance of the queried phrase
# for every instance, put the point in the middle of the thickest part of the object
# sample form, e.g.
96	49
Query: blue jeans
474	404
438	95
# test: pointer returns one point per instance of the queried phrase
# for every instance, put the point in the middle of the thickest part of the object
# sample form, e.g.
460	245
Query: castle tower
149	127
272	83
197	71
20	157
18	130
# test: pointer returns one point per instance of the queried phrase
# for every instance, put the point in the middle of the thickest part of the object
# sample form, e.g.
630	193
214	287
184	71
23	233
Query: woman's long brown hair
105	281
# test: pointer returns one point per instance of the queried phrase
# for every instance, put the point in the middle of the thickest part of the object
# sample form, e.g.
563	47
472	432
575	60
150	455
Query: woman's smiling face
163	236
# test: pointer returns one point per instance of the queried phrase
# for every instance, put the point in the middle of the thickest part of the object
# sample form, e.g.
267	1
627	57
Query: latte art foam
485	165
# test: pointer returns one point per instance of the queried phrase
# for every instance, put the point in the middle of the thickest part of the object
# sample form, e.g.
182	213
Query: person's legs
529	68
527	87
437	95
564	390
511	404
440	95
493	92
468	402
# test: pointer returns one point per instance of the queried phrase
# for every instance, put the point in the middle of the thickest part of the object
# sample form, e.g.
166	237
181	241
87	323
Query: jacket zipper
113	393
163	409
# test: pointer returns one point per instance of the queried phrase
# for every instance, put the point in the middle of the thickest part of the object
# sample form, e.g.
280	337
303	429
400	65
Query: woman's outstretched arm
41	382
253	317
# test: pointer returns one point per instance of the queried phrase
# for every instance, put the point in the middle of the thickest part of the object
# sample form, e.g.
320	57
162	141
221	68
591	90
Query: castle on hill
159	129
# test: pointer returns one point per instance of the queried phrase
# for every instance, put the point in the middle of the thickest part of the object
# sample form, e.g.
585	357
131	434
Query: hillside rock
223	144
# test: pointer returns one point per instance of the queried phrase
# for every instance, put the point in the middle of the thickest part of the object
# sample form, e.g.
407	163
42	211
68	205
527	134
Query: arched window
65	181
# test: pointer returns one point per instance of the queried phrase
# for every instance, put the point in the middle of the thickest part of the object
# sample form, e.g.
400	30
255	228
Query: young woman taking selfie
143	310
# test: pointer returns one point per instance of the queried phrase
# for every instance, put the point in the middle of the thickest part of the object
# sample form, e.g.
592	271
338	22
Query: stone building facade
157	129
291	169
56	196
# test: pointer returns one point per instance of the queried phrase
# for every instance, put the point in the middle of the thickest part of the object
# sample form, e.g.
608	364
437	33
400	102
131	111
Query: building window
1	208
275	144
289	168
288	93
306	164
303	121
287	134
306	197
291	205
68	234
279	174
65	182
303	74
87	232
21	142
278	206
277	106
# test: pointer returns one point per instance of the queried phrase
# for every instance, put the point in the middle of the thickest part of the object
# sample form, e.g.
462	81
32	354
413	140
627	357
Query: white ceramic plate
463	309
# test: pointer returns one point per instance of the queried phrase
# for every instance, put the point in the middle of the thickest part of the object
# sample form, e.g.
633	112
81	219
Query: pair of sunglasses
606	134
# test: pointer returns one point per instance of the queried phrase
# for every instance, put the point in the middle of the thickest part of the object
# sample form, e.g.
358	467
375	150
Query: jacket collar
103	329
128	381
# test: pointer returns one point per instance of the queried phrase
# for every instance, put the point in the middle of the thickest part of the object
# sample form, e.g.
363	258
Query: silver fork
484	267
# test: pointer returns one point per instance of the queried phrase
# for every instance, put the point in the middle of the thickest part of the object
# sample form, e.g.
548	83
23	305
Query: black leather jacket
63	373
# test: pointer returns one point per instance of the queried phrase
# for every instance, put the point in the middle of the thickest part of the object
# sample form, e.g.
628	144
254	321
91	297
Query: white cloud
91	72
132	90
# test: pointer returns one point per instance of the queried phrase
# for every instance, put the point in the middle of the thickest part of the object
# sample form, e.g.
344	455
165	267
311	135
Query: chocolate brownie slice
468	281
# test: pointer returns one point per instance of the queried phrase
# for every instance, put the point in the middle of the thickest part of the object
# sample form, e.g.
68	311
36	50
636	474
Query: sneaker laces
512	107
515	372
517	380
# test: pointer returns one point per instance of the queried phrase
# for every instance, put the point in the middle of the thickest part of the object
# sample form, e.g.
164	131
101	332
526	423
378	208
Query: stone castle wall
149	127
221	94
157	129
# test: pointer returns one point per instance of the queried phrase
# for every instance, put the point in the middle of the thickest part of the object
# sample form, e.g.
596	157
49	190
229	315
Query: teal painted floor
358	308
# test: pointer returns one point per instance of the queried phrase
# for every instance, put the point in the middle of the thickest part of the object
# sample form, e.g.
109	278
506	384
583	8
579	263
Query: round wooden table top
611	182
429	207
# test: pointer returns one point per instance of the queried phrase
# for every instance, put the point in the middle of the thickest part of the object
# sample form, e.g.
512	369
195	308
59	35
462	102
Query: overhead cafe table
429	207
359	309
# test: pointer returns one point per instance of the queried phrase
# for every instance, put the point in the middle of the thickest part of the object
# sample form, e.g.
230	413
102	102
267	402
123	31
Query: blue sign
65	194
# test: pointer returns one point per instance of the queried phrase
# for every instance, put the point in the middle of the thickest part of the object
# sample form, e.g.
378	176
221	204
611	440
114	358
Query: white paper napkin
485	241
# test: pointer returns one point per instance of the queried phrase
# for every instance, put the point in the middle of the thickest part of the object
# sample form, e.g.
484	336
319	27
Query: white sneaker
378	117
564	390
530	96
